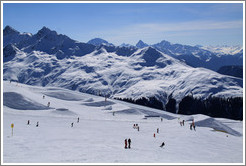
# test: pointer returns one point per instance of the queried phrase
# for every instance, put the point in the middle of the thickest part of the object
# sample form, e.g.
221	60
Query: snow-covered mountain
99	41
141	44
51	59
201	56
222	50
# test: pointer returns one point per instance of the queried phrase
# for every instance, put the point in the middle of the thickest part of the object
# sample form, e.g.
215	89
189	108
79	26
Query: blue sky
184	23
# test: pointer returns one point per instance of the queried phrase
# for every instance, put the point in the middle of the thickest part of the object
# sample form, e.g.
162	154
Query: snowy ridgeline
98	136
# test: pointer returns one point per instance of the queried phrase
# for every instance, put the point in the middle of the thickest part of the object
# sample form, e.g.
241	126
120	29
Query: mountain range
161	71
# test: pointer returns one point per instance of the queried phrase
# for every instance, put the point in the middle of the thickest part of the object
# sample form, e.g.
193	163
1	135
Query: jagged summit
44	31
141	44
9	30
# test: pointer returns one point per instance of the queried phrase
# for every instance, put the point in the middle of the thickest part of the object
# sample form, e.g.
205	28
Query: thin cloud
152	30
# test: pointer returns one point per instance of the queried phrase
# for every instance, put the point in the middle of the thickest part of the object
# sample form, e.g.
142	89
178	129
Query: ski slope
99	135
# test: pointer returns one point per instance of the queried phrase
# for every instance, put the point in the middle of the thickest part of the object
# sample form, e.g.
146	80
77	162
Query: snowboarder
37	124
129	143
71	124
78	120
162	144
125	143
48	104
28	122
157	130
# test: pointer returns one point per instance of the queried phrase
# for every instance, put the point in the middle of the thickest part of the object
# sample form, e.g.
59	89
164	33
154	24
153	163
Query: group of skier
77	122
193	125
28	123
135	126
129	143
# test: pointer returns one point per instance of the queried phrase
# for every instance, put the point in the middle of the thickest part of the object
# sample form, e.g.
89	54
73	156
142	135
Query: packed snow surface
98	136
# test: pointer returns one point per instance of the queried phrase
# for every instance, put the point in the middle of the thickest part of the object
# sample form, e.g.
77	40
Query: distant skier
113	113
71	124
157	130
154	135
134	126
78	120
43	96
163	144
190	126
193	125
48	104
183	122
138	128
161	119
37	124
125	143
28	122
129	143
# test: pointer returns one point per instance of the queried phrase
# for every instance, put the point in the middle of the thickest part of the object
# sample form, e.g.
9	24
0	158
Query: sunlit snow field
99	135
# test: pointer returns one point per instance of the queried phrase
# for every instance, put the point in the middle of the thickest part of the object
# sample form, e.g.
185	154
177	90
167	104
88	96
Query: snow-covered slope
99	41
232	50
51	59
99	135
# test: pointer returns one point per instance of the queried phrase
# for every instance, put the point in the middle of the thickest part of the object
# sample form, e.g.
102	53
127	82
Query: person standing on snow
125	143
78	120
129	143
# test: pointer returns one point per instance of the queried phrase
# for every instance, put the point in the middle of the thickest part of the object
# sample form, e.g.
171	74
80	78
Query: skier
43	96
129	143
125	143
134	126
193	125
190	126
71	124
28	122
37	124
154	135
162	144
48	104
113	113
78	120
161	119
183	122
157	130
138	128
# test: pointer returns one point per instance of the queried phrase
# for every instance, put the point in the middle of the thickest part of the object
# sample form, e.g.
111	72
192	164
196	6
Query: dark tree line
149	102
231	108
